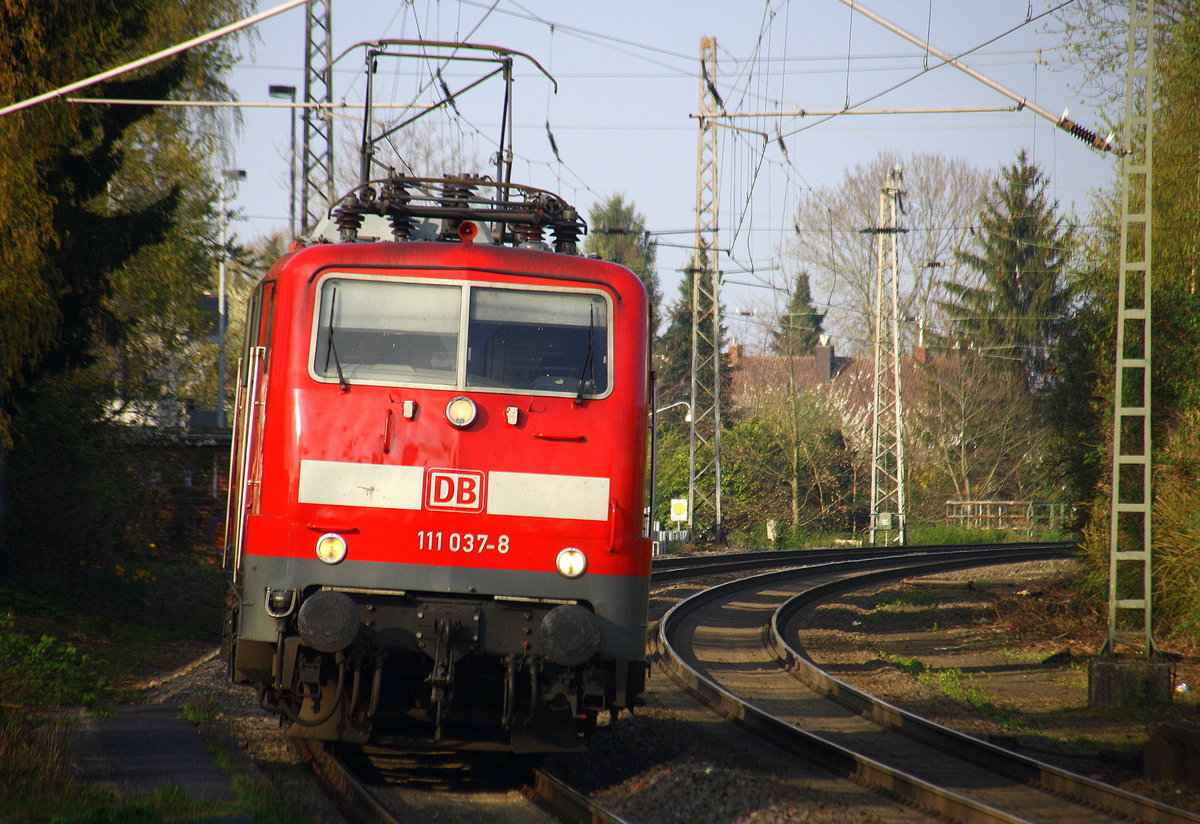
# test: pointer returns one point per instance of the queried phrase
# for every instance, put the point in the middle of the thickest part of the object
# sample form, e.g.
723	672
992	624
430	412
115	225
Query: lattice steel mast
704	443
1130	588
887	419
316	180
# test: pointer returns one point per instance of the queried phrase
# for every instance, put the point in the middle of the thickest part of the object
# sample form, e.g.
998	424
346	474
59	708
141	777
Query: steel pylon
888	517
1130	573
704	442
316	180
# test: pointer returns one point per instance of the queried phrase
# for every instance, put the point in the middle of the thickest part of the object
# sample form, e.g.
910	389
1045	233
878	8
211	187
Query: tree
799	328
426	148
67	225
1176	218
87	198
1095	33
1021	249
673	350
617	232
973	433
940	195
787	459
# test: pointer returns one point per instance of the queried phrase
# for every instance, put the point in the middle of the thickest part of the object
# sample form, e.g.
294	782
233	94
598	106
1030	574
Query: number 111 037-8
461	541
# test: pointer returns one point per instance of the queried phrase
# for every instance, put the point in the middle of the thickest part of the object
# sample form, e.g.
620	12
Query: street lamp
289	93
686	418
227	176
654	460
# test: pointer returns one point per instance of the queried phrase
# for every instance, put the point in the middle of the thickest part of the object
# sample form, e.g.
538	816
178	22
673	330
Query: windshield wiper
589	366
331	348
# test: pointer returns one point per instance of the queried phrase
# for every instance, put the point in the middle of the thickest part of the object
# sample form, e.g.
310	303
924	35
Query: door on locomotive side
245	461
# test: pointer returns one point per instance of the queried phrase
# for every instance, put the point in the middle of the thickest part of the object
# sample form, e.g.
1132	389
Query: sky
628	85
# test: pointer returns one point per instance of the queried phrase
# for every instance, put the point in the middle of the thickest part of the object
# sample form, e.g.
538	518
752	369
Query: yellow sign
679	509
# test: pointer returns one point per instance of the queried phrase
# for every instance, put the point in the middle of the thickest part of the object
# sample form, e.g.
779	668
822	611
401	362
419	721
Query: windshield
516	340
548	341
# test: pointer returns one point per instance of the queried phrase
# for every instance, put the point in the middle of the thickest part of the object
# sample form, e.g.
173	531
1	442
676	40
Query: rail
359	804
865	770
968	747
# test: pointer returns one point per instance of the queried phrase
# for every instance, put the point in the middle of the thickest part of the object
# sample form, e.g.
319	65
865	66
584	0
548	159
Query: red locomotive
435	528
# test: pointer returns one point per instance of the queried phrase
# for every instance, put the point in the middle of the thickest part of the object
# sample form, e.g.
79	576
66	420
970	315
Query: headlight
331	548
461	411
571	562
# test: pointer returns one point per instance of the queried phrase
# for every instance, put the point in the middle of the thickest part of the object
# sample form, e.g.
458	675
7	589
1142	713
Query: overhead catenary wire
133	65
1062	121
758	77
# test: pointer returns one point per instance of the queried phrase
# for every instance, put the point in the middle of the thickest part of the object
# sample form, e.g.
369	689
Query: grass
910	602
103	630
37	787
65	644
37	784
200	712
42	671
953	682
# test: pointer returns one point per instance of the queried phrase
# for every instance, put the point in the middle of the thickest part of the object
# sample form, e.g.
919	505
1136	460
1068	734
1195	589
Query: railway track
666	569
735	646
546	798
441	791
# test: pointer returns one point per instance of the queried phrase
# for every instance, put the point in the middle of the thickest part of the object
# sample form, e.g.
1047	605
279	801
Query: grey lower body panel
619	602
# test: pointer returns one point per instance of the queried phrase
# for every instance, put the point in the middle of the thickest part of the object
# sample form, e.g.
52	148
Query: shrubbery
1175	534
46	672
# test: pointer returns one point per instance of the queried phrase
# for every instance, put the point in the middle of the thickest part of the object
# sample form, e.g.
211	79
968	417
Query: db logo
454	490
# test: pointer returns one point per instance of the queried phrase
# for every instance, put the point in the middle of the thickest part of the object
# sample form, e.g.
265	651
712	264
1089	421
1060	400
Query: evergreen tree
67	223
799	329
673	351
1021	251
617	232
95	230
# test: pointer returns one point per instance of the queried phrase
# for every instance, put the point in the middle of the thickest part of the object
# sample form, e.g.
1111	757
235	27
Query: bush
70	491
46	672
1176	536
940	534
1177	530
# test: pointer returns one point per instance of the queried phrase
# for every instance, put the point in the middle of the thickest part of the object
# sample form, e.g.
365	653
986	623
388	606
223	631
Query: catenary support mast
704	444
1130	589
316	180
888	515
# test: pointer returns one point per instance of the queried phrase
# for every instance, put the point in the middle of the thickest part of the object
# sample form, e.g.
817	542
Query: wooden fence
1026	516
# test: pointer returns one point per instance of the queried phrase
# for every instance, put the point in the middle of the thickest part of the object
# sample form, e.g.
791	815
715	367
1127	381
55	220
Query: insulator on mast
1085	134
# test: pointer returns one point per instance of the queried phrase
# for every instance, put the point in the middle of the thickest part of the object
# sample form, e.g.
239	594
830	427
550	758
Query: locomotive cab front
435	525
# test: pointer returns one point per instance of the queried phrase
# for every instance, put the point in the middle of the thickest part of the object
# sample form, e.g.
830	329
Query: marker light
280	602
331	548
461	411
571	562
